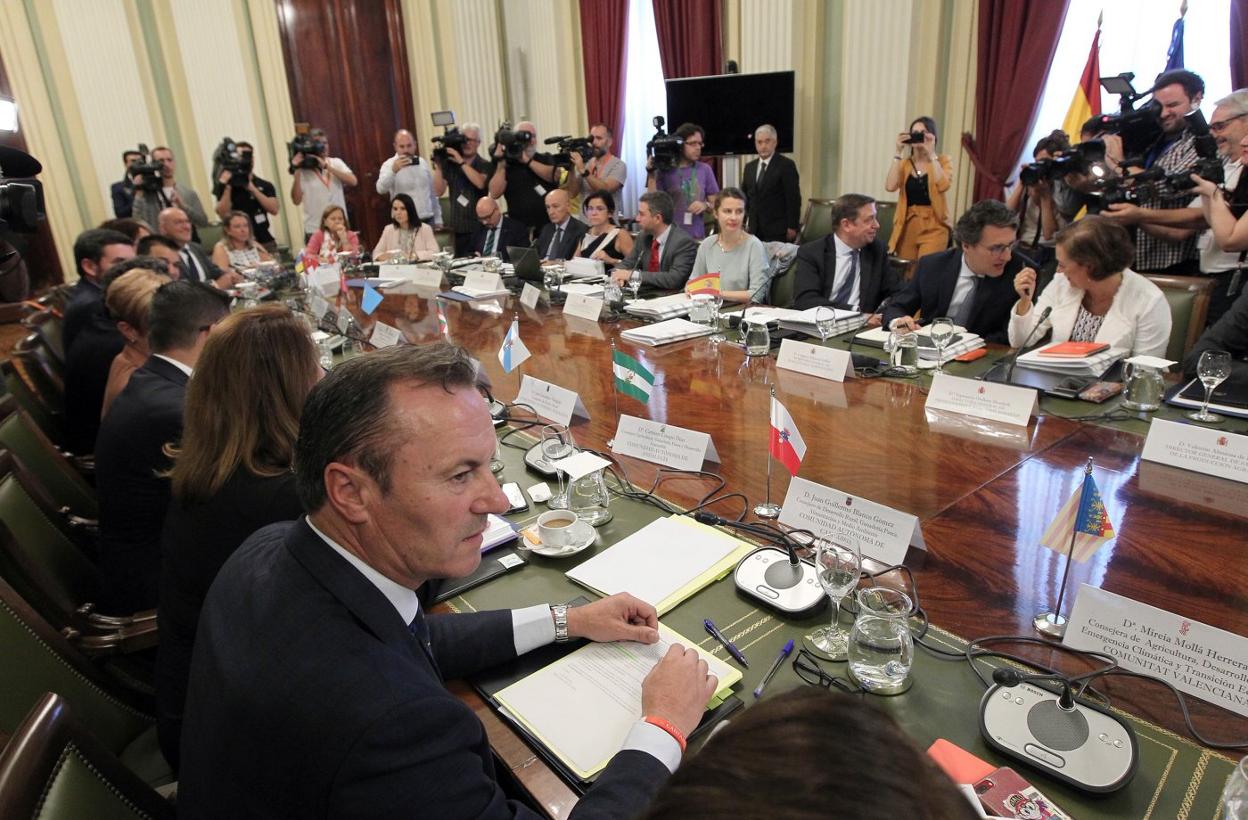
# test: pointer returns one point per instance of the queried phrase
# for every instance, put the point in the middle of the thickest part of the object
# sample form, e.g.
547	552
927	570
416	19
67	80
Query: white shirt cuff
532	627
648	738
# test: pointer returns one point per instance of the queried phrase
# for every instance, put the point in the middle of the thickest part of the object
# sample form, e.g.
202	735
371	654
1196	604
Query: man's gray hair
471	126
1236	102
770	130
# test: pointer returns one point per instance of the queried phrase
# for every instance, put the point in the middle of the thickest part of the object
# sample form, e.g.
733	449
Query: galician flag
787	445
513	352
1087	101
631	376
1088	520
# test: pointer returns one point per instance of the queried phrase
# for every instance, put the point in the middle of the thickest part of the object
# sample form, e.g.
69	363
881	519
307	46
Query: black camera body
569	146
514	143
664	148
1155	183
240	164
21	195
309	147
1077	160
451	138
145	173
915	138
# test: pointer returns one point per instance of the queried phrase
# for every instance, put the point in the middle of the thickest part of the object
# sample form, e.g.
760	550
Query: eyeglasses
808	669
1220	126
1002	250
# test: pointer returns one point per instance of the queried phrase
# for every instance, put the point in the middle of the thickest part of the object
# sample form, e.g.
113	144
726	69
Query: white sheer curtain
644	97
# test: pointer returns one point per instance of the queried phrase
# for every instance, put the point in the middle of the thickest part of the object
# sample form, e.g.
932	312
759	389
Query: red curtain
691	42
1017	40
604	38
1239	43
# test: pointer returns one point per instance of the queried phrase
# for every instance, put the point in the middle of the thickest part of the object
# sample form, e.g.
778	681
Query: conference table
983	492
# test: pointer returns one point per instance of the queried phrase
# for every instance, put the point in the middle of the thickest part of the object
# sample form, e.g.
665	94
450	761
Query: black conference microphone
790	586
1012	678
1012	359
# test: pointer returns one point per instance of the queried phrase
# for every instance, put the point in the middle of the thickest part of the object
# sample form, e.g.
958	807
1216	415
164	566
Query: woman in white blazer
1094	296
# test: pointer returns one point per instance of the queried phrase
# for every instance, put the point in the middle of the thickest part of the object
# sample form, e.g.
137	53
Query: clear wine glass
1235	795
941	331
825	318
557	444
717	304
1213	369
838	561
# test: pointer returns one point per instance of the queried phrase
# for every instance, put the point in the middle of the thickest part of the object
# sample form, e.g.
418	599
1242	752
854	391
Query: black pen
784	653
727	644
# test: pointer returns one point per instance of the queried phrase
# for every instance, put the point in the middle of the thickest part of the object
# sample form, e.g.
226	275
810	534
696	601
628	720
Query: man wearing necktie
497	231
973	284
663	252
560	238
773	198
197	266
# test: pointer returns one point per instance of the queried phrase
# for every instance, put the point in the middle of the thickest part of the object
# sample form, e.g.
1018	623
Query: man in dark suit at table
497	232
973	284
561	237
664	252
130	458
773	196
1229	333
197	266
848	268
317	682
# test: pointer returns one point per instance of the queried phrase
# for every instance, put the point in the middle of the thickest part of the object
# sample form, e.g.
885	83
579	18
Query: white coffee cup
557	528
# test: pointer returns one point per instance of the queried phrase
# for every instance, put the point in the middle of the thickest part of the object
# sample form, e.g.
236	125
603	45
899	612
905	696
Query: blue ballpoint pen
784	653
727	644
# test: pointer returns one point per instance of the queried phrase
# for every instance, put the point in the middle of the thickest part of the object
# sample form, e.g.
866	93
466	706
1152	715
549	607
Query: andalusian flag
1084	515
631	377
706	283
1087	101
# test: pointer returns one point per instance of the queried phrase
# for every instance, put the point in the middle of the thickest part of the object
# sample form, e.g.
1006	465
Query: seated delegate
333	237
1094	296
604	241
738	257
497	231
1230	333
238	249
407	237
664	253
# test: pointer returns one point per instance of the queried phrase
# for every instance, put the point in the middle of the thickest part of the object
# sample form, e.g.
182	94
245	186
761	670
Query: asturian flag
787	445
513	352
631	376
1087	100
1086	516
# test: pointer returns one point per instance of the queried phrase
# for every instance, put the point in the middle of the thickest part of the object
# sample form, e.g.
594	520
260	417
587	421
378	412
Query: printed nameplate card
385	336
550	401
882	532
1190	447
417	274
582	306
664	444
529	295
985	400
326	278
815	360
482	281
1201	660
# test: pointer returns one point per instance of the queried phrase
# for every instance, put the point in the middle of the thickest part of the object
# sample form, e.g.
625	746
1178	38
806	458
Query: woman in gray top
739	258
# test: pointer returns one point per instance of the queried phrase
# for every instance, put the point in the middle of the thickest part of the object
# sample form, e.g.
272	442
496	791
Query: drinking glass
756	336
881	648
717	302
942	331
613	297
701	309
634	282
1235	795
589	498
838	561
1213	369
903	349
825	318
443	260
325	353
557	444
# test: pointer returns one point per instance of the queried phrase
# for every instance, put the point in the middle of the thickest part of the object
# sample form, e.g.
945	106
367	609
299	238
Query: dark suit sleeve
906	302
792	185
543	239
642	244
683	254
808	286
467	643
1229	333
123	201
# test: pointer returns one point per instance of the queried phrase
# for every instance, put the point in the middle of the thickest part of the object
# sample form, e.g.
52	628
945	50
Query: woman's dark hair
413	218
728	193
605	198
1102	246
775	761
928	123
1055	142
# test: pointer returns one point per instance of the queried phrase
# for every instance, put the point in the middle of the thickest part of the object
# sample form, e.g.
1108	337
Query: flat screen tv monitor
730	106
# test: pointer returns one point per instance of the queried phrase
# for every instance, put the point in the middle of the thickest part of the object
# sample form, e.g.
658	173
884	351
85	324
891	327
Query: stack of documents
963	342
474	293
497	531
803	321
1093	366
582	288
664	307
662	333
663	563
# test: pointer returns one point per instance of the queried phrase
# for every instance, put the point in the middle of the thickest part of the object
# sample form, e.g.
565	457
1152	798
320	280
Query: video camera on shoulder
451	137
571	145
21	195
514	142
228	157
1078	159
308	146
663	147
145	172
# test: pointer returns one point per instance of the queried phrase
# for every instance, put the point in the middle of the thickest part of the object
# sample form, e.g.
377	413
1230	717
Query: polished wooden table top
984	492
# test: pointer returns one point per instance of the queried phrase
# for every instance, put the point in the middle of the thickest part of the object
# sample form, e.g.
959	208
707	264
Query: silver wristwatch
560	614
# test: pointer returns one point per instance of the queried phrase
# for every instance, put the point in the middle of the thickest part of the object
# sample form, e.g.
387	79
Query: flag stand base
1049	624
767	510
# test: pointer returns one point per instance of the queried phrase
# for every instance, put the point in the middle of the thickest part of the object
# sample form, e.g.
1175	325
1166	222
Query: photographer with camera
603	172
921	221
523	175
459	167
151	199
238	189
1032	199
690	182
407	173
122	192
319	179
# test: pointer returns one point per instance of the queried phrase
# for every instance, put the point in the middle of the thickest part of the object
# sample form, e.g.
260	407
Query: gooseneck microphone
1012	359
773	576
1011	678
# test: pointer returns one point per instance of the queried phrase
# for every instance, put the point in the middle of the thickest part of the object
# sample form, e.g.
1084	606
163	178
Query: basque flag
787	445
513	352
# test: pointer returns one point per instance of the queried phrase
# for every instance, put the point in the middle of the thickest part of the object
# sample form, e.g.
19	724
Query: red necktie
654	256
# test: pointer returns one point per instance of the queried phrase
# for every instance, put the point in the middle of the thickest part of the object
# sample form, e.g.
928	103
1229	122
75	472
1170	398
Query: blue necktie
841	298
420	630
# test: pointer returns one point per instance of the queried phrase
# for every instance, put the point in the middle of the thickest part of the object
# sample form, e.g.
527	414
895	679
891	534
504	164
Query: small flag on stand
370	300
443	327
787	445
1084	515
631	376
706	283
513	352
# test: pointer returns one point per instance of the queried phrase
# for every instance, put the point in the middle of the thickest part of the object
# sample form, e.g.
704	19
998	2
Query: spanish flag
1087	101
706	283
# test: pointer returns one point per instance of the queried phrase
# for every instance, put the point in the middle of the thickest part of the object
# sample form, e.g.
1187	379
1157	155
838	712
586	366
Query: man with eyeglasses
466	175
1229	126
496	231
973	283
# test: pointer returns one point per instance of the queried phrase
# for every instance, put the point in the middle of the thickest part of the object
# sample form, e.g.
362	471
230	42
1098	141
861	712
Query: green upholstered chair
884	212
817	221
210	235
54	767
21	382
1188	297
21	436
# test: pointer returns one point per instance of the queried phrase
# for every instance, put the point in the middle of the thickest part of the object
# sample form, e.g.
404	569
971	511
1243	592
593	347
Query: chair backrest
817	222
1188	297
22	383
21	436
884	212
55	768
49	325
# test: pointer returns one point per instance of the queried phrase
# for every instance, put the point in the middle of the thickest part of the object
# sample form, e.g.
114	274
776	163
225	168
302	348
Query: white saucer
583	537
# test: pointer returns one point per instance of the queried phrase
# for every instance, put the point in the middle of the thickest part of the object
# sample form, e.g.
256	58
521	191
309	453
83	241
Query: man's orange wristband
667	726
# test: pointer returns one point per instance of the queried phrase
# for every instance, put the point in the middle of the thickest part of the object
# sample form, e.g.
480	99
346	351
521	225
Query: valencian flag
787	446
1087	101
631	376
513	352
1086	516
706	283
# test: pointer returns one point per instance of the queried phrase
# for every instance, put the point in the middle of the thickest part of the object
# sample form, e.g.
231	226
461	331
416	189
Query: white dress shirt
844	263
415	180
965	289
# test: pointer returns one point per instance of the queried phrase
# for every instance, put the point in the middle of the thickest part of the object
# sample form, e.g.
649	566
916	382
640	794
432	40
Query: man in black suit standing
561	237
497	231
130	459
317	683
972	284
664	252
123	192
197	266
848	268
773	197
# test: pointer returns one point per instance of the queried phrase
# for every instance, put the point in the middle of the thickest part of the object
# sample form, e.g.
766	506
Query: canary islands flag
1084	515
1087	101
513	352
631	376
